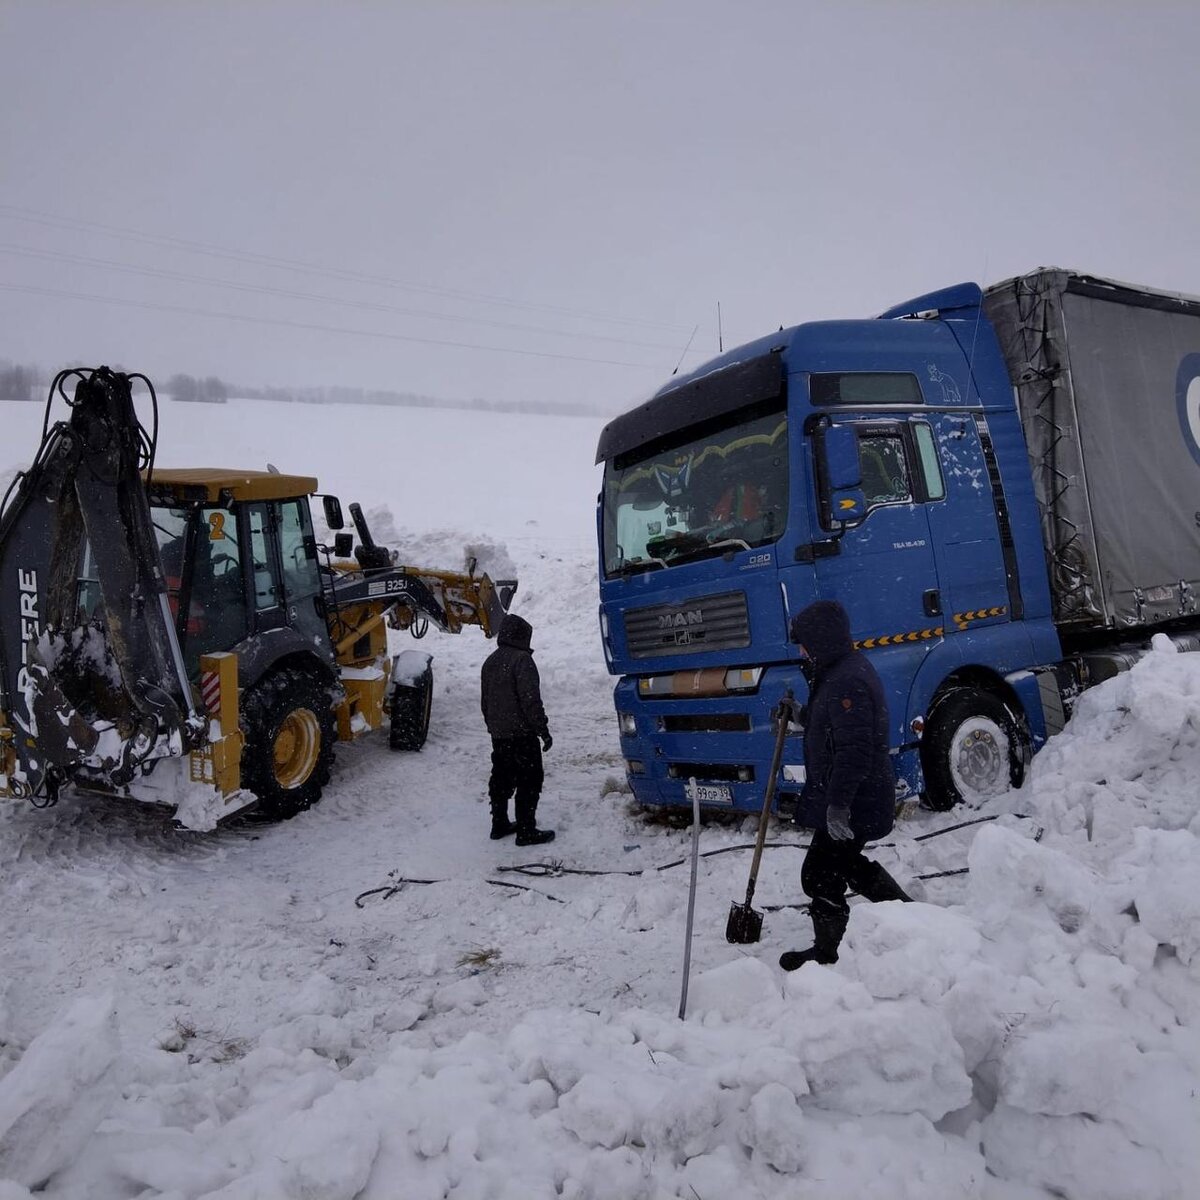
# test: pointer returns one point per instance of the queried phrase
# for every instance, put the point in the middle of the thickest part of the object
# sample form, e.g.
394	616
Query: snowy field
213	1015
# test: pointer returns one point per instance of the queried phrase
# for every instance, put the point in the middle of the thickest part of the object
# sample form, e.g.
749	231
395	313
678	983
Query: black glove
547	741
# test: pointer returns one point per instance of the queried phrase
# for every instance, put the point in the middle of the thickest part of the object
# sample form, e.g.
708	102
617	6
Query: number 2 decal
216	527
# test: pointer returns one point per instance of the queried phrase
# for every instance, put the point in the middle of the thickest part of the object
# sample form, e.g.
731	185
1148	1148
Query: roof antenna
720	335
685	350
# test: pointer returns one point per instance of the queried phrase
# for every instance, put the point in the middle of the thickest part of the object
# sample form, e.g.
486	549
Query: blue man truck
1001	486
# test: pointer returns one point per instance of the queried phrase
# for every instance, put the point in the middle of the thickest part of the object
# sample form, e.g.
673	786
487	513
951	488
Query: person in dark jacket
511	700
849	791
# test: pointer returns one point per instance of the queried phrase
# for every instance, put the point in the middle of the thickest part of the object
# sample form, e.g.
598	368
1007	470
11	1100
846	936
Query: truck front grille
707	623
706	723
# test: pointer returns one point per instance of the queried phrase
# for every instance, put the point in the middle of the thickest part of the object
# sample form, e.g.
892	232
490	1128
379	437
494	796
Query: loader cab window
171	530
217	602
298	548
266	570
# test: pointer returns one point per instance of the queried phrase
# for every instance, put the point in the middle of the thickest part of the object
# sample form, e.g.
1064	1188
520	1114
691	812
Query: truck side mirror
333	512
842	467
844	502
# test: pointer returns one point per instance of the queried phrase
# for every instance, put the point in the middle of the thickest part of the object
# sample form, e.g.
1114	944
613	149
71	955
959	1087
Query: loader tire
973	749
411	707
289	730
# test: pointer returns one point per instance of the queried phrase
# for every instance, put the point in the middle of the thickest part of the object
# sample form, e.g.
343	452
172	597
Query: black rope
554	868
390	889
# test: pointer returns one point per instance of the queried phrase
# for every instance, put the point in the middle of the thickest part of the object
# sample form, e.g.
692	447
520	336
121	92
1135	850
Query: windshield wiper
635	566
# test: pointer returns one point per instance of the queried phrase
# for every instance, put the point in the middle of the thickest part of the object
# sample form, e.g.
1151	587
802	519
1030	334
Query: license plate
714	793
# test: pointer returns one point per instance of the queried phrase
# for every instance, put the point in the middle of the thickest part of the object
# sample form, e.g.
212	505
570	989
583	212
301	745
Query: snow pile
53	1099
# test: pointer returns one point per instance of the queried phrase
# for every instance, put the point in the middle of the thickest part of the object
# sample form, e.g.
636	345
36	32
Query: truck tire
411	707
973	749
289	728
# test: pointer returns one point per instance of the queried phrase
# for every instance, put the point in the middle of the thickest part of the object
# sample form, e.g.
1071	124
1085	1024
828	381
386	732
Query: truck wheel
289	729
411	707
973	749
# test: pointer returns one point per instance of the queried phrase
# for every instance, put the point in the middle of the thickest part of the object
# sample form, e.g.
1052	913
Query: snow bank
53	1099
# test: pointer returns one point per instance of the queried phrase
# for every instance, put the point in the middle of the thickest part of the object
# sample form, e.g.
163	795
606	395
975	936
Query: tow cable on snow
397	885
553	868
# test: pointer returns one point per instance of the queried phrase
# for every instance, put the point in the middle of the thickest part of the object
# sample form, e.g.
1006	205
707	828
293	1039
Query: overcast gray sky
542	200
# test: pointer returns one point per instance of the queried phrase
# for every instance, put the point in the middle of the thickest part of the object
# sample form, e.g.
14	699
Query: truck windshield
725	490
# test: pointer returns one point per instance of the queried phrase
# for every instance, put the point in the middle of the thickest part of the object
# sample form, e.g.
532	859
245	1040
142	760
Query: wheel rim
980	758
297	745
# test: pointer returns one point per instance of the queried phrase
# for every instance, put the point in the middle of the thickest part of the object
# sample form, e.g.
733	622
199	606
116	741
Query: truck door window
298	548
885	477
931	468
266	574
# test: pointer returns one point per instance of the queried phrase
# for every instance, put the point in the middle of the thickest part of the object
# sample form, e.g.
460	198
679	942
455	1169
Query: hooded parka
510	687
846	733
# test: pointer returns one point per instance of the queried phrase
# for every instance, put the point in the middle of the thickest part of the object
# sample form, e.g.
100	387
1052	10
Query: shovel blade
744	926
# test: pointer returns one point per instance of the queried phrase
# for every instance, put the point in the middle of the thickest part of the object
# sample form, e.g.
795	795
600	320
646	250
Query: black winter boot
501	825
528	834
878	885
534	836
829	923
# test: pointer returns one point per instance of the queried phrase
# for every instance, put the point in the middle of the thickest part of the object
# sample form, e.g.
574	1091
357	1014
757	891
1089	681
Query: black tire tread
264	708
411	707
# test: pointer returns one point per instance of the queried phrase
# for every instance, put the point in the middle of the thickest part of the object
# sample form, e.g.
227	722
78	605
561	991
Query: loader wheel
411	707
289	730
973	749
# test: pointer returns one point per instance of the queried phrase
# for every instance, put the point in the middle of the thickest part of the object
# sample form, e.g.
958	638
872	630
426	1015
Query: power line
264	289
315	327
245	256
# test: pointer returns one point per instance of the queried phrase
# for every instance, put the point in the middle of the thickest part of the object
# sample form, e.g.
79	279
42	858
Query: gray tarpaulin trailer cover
1107	377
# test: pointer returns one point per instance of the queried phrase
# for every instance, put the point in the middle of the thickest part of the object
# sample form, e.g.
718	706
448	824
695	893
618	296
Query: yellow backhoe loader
180	636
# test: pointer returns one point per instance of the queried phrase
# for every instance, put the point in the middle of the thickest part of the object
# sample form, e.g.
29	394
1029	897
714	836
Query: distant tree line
357	395
24	382
20	382
209	390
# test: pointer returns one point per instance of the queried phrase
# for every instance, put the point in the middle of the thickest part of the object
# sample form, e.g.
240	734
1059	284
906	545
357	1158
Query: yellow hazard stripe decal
961	621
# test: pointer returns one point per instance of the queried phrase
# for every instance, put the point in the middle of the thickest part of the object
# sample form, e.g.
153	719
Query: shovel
744	926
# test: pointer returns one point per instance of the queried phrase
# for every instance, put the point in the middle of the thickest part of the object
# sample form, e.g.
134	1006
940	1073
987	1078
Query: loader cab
239	556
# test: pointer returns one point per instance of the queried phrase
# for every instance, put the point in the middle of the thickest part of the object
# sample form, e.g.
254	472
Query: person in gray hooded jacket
511	700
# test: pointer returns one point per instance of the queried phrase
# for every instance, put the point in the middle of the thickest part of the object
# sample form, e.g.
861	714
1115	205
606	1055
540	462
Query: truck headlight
742	679
627	723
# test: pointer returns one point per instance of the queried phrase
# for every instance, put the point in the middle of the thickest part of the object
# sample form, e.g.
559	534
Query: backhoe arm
91	676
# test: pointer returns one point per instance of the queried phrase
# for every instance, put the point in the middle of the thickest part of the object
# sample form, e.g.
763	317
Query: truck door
884	571
973	561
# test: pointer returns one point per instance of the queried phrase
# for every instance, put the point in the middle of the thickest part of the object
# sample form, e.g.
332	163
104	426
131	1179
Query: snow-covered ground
192	1015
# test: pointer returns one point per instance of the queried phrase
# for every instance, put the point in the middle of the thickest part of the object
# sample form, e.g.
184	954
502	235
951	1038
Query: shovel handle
782	713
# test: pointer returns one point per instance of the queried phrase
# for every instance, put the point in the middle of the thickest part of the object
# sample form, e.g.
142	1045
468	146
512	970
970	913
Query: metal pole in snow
694	792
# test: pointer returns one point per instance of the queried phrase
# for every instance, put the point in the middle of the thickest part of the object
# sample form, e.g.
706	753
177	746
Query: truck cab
880	463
